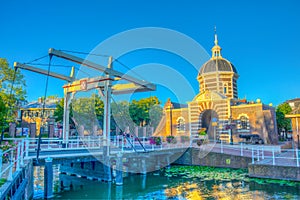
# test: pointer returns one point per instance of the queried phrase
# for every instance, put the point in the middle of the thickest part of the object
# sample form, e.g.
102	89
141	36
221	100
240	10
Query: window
243	123
225	89
180	124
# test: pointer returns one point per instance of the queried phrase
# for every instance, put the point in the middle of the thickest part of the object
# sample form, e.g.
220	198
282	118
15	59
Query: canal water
157	186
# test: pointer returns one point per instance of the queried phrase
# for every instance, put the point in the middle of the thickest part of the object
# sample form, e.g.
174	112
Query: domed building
217	110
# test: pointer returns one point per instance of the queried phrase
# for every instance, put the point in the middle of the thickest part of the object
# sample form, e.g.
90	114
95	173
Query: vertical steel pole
66	118
11	164
22	153
26	147
107	101
273	155
18	156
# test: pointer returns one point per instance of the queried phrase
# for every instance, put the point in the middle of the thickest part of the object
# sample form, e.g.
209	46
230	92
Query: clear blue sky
261	38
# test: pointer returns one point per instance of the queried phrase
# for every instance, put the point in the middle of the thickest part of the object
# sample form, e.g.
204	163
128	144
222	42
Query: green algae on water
220	174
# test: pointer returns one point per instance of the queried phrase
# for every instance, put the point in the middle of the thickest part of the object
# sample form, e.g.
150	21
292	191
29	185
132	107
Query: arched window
180	124
225	89
244	124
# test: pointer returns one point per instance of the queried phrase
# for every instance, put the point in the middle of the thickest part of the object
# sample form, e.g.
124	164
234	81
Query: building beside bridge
295	119
31	114
217	108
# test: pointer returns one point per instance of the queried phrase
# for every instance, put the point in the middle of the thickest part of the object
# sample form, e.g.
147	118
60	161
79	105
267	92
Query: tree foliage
143	112
10	103
59	111
83	110
140	110
2	110
281	111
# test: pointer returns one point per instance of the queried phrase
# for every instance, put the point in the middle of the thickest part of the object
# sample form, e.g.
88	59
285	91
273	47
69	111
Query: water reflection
157	186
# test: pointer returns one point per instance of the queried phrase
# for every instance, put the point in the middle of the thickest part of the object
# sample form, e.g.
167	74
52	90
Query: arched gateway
205	121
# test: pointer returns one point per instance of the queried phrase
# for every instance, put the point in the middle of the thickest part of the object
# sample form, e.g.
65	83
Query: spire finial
216	50
216	36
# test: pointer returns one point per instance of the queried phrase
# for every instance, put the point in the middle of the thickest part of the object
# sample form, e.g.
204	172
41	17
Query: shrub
202	131
155	140
171	139
7	145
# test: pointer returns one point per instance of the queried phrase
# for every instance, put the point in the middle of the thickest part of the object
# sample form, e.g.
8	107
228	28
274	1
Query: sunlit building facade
217	106
34	114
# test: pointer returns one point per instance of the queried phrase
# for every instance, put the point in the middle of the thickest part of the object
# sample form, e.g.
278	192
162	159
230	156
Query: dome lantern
218	74
216	50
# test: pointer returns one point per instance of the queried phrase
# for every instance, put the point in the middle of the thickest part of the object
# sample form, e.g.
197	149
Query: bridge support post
168	162
119	192
144	181
157	166
107	165
48	179
144	167
119	170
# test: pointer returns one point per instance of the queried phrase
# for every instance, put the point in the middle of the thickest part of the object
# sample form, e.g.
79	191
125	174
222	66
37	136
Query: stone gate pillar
12	129
50	130
32	130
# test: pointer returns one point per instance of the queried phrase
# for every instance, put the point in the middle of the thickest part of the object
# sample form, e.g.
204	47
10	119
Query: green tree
155	114
120	115
283	122
139	110
10	103
143	112
59	111
2	110
82	110
99	108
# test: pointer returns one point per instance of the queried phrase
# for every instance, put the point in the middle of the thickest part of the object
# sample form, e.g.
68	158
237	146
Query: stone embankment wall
274	172
195	156
199	157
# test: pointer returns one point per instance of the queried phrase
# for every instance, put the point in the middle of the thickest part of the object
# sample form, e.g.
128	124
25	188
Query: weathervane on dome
216	36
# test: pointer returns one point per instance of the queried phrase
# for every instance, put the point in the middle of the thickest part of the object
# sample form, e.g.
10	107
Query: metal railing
132	143
288	157
264	154
12	160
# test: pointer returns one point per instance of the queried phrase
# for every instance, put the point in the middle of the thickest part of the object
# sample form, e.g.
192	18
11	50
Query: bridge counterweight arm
42	71
101	68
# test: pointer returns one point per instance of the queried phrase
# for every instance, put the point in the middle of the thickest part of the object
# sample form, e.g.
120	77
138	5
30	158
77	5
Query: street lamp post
214	124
